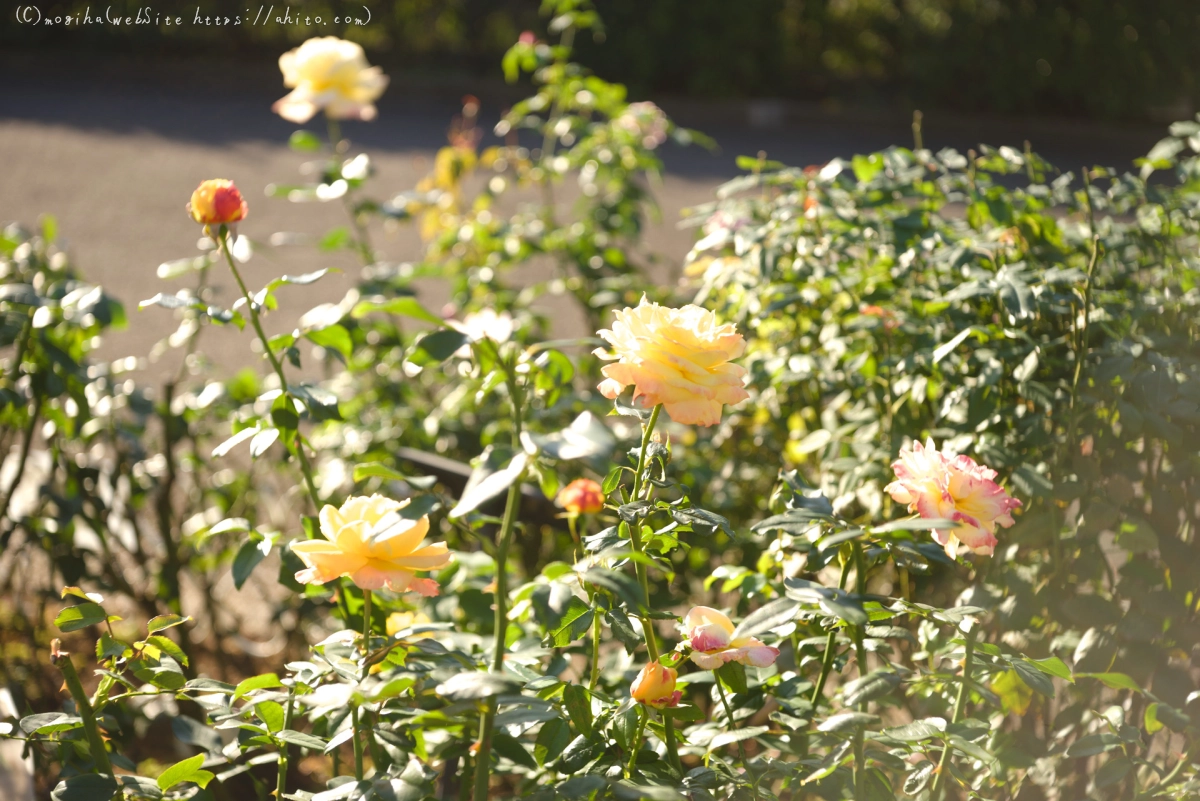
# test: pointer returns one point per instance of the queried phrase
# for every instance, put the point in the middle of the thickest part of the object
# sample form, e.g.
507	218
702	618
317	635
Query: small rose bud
655	686
581	497
217	202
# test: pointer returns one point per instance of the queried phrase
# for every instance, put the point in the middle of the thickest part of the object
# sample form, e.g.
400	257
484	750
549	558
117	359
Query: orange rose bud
217	202
655	686
581	497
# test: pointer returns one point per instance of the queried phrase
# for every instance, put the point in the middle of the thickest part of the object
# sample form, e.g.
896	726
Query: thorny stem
860	657
830	645
959	705
358	745
483	761
252	310
595	677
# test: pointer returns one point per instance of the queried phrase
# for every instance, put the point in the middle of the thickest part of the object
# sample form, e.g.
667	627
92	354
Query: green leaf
168	647
1052	666
187	770
1037	680
777	613
737	735
871	686
914	732
579	706
260	682
164	622
848	721
484	484
301	739
437	347
85	787
248	556
406	306
334	337
473	686
304	141
576	621
623	628
510	747
1113	771
551	740
74	618
733	676
1116	681
944	350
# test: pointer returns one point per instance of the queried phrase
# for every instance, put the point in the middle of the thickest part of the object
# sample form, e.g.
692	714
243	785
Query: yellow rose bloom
216	202
655	686
368	541
677	357
331	75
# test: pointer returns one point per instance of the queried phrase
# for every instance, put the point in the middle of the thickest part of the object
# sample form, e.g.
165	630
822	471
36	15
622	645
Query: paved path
113	149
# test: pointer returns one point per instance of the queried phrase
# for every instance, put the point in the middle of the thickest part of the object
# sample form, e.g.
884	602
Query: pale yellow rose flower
368	541
677	357
331	75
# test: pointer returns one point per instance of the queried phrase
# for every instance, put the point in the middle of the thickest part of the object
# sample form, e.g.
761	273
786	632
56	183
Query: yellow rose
217	201
655	686
676	357
581	497
370	542
710	635
331	75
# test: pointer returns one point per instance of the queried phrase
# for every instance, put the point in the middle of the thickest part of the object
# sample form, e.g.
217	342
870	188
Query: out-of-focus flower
485	324
677	357
217	202
887	315
527	38
710	635
331	75
581	497
645	121
936	485
399	621
655	686
368	541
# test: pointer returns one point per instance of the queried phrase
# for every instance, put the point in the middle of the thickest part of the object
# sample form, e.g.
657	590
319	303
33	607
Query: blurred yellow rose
677	357
367	540
217	201
331	75
399	621
655	686
581	497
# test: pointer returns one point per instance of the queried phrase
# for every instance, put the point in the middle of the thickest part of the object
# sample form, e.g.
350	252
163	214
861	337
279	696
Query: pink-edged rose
936	485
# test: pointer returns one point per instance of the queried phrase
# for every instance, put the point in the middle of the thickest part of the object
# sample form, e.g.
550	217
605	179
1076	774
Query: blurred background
109	126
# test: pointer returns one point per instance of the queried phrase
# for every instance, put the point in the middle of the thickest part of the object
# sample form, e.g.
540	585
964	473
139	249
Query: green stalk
595	678
643	716
860	658
672	748
635	536
62	660
960	704
252	310
358	745
366	629
830	645
729	717
483	760
281	777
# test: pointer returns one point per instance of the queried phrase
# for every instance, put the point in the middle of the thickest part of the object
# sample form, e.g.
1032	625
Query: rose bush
1009	615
